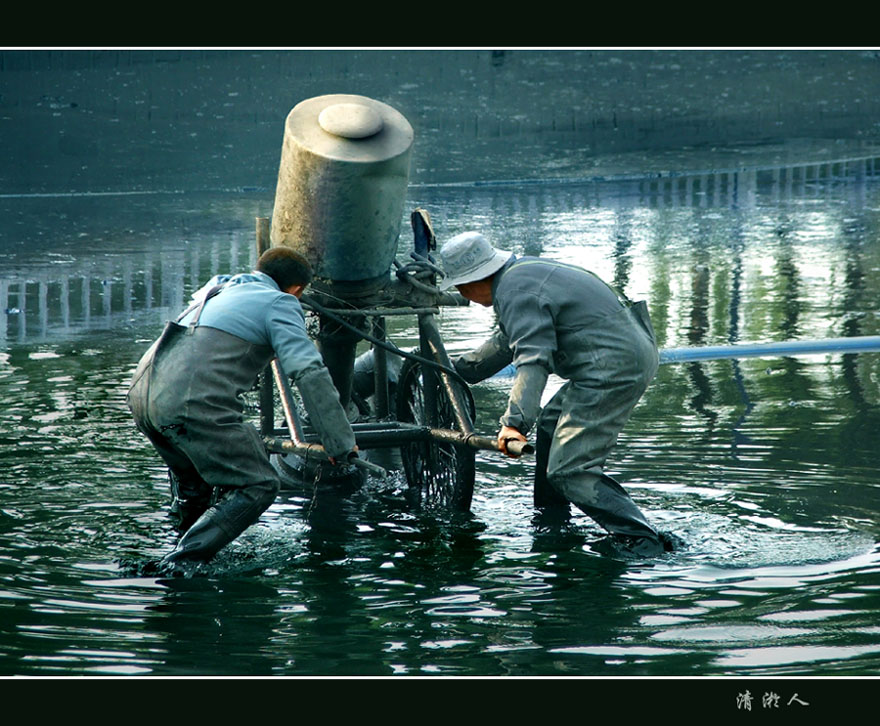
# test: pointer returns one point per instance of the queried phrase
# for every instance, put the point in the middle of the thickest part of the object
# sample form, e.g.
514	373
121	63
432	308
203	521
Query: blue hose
858	344
861	344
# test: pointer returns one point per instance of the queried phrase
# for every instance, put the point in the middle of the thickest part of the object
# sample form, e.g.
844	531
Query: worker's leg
190	494
586	430
547	499
233	513
230	456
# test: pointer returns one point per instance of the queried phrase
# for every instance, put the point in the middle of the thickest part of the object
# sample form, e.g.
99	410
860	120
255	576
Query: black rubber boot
641	546
607	502
233	513
204	539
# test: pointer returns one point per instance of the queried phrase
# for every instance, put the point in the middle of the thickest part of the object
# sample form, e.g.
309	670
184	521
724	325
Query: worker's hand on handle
506	434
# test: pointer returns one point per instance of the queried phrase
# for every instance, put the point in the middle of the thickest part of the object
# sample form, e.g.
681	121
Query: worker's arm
524	402
485	361
301	361
528	318
326	414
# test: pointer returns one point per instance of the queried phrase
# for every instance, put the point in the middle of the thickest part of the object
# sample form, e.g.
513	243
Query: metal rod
316	451
859	344
516	448
393	434
431	336
377	312
297	443
378	438
380	371
267	400
383	426
429	375
287	405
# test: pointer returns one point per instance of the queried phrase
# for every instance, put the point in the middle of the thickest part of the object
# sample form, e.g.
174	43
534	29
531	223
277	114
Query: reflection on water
798	220
765	469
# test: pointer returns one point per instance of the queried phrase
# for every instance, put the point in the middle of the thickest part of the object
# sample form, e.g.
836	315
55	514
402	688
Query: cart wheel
439	475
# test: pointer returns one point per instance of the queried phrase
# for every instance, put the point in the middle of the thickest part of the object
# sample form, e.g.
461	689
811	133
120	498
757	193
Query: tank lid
349	128
350	120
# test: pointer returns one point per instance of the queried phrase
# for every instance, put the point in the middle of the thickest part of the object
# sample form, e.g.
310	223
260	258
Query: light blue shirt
251	306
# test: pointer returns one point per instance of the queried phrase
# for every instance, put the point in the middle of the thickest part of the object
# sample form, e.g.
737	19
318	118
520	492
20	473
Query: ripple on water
741	542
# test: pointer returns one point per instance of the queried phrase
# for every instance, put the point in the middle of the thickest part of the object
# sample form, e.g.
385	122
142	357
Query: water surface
765	469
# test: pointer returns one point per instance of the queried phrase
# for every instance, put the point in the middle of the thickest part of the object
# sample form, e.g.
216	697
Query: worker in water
185	399
561	319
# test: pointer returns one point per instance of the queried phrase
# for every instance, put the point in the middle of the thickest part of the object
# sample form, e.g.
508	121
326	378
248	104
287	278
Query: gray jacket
561	319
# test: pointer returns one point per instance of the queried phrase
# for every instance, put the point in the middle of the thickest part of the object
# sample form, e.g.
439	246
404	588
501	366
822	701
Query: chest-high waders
579	426
185	399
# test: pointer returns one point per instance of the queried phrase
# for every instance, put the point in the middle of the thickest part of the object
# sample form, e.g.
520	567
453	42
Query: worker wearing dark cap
185	397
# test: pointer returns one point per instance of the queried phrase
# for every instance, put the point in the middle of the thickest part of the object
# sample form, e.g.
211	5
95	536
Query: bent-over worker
559	318
185	397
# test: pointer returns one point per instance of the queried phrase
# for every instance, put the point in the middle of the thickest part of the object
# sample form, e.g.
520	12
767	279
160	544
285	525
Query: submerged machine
339	201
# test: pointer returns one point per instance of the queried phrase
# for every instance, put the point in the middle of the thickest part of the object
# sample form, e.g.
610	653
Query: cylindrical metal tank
341	188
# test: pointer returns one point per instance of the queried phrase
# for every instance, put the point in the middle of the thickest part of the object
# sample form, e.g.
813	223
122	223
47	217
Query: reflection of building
740	186
59	300
107	291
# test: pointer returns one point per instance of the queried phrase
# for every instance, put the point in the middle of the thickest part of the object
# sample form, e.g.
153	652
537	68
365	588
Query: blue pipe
857	344
860	344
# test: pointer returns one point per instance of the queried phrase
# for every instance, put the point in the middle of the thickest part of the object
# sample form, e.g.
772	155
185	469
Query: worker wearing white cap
561	319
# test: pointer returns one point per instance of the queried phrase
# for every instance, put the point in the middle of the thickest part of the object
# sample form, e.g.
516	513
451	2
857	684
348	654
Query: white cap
469	257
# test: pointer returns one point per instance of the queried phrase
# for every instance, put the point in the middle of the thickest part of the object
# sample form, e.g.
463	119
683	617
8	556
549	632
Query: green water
765	469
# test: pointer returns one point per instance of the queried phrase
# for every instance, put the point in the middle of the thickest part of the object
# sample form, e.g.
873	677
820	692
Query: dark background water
130	178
